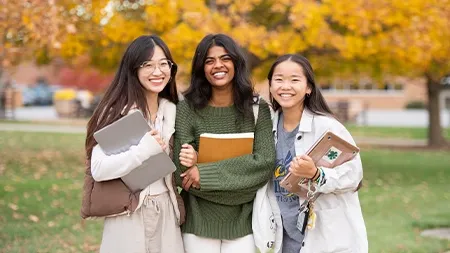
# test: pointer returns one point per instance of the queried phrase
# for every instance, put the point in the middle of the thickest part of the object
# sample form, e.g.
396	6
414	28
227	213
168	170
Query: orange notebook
217	147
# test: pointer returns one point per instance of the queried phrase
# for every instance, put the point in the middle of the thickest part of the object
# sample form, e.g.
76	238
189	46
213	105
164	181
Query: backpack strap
256	107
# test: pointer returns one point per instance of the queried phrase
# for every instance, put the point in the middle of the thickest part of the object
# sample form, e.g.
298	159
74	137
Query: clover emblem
332	155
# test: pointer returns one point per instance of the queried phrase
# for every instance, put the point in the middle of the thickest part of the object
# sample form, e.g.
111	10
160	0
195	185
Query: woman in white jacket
149	220
301	117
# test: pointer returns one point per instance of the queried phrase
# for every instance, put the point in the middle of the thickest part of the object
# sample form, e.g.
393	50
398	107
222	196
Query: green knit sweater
222	208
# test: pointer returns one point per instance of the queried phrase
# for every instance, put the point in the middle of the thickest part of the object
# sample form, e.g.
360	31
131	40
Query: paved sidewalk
79	128
440	233
42	128
390	142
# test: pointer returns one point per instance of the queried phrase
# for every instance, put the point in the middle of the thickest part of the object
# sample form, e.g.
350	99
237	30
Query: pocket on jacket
332	232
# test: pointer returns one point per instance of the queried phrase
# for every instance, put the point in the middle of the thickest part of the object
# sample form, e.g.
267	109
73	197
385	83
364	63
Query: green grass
393	132
41	179
405	192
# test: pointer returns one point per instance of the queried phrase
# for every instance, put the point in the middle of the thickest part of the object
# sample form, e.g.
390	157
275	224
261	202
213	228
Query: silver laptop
126	132
122	134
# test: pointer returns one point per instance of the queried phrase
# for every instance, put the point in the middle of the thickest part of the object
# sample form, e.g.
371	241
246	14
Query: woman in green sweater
219	195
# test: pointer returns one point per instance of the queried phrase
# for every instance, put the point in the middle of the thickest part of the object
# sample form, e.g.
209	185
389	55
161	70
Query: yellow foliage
122	30
162	15
411	34
251	37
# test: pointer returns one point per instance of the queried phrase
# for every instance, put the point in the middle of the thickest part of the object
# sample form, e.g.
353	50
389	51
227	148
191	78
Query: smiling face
289	85
154	74
219	67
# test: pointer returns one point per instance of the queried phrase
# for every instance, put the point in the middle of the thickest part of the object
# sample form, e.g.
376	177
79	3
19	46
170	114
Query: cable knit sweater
222	208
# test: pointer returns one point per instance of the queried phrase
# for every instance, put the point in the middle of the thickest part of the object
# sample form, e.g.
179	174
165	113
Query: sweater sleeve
244	172
184	133
346	176
107	167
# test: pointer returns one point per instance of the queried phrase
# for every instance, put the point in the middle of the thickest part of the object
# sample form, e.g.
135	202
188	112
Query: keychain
302	219
312	216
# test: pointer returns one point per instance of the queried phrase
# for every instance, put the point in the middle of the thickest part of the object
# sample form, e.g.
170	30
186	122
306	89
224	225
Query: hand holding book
158	138
329	151
303	166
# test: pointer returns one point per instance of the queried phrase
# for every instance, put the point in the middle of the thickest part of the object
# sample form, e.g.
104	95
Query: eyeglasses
150	66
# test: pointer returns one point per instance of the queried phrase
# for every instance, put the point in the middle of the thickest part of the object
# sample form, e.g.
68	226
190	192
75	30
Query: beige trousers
151	229
162	233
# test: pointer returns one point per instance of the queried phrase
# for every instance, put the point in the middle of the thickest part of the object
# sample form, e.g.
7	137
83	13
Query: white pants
197	244
151	229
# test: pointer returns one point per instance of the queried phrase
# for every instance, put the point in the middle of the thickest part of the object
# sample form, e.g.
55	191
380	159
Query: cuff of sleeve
326	186
149	146
209	178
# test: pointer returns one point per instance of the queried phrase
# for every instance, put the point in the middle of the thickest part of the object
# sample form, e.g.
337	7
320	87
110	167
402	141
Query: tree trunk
435	137
212	5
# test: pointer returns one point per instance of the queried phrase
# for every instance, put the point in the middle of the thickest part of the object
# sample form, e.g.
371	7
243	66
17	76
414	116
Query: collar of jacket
305	122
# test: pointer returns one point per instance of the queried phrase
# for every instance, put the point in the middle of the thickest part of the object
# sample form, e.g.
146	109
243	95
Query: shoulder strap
256	109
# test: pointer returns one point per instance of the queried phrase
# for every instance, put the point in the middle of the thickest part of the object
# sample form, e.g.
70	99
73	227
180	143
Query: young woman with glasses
148	220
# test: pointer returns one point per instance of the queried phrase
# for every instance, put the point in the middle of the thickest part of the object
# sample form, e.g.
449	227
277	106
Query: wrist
316	174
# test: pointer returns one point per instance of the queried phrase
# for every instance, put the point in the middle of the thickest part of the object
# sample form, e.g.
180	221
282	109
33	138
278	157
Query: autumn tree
32	29
351	38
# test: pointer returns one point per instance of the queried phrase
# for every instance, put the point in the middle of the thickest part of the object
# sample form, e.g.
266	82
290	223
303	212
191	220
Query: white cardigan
339	224
104	167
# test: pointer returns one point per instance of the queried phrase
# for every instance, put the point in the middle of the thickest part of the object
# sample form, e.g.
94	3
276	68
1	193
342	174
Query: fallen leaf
55	187
77	227
13	206
17	216
59	174
9	188
33	218
2	169
55	203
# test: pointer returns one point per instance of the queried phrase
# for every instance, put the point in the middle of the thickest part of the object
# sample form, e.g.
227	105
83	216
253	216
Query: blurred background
383	66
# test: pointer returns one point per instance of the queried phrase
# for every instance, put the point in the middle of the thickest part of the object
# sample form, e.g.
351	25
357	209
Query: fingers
158	138
302	166
187	146
306	158
186	155
187	152
186	162
187	183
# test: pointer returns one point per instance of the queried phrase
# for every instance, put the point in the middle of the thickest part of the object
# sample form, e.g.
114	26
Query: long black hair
315	102
125	90
200	91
